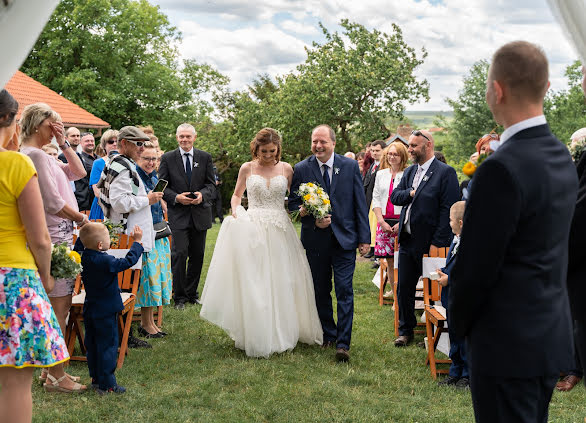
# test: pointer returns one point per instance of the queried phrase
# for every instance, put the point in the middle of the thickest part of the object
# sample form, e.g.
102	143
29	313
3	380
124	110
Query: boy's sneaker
463	383
134	342
449	381
116	389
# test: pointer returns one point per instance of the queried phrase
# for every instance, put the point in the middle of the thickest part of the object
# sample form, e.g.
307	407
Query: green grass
196	375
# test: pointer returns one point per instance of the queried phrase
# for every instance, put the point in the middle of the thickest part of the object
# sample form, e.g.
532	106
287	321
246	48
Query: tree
472	116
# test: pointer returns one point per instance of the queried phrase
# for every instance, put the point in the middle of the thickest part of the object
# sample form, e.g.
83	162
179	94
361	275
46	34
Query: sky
244	38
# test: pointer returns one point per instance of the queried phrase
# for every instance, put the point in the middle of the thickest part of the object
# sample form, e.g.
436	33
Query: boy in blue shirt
103	302
458	375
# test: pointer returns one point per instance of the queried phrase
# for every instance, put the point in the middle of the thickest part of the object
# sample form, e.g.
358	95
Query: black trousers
511	400
101	342
410	262
187	251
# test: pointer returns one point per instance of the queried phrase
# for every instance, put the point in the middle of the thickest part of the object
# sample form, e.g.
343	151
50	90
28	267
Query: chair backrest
432	290
128	279
124	241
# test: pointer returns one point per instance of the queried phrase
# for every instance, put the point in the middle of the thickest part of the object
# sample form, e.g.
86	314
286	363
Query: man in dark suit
189	196
330	243
508	293
427	191
376	150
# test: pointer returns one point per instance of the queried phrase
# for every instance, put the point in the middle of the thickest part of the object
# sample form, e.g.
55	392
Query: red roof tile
28	91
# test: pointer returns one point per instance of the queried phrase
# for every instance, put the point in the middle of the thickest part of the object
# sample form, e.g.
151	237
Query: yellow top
15	171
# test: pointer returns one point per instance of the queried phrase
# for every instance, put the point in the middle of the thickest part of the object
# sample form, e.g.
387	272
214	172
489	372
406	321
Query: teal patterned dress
29	331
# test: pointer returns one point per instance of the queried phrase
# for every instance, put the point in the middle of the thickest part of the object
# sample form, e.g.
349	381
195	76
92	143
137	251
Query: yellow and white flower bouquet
65	263
314	199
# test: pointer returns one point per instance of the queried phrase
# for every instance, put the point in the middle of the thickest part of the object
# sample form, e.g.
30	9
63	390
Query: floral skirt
29	331
385	243
156	280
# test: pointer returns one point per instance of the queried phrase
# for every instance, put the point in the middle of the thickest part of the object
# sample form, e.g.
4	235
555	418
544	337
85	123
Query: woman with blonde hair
109	142
393	162
40	124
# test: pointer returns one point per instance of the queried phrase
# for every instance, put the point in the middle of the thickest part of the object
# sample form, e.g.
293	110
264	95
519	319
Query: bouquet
576	149
470	167
115	229
315	200
64	262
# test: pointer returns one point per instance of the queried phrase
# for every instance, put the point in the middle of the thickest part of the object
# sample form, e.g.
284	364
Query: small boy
458	375
103	302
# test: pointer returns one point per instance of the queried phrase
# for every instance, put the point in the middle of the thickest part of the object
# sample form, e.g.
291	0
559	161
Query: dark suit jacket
430	210
83	193
100	280
508	293
368	181
349	213
203	180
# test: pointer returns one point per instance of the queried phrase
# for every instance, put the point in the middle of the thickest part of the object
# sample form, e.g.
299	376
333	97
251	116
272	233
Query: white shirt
330	164
425	166
520	126
184	155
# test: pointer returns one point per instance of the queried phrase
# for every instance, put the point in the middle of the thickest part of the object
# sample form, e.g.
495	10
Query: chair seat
79	299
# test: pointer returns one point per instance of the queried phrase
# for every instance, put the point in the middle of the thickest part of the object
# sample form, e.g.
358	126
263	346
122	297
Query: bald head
421	146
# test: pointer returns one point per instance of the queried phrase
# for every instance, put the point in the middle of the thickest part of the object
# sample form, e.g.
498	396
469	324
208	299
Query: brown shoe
328	344
567	383
403	340
342	355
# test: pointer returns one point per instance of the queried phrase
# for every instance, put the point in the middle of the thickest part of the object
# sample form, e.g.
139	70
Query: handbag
162	230
392	222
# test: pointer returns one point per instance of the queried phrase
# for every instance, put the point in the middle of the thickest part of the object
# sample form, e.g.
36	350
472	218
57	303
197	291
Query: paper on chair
121	253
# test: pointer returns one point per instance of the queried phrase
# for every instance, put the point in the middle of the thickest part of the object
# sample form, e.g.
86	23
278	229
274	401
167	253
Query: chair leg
431	344
383	282
396	311
125	321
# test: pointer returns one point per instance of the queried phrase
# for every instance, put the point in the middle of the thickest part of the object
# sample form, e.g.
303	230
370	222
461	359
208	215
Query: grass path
196	375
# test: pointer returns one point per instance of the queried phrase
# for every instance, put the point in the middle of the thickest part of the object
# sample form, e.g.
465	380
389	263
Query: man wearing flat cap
189	196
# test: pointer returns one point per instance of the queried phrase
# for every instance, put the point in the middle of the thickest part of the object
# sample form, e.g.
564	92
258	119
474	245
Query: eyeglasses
418	133
393	155
111	142
137	143
149	159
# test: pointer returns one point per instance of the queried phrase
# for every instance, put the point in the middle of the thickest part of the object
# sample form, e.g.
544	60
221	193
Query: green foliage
64	262
114	230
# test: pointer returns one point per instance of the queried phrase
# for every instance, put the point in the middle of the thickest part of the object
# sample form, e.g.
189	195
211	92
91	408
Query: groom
330	243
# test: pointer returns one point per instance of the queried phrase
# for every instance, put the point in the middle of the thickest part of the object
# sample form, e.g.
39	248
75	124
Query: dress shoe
143	332
463	383
134	342
196	301
179	306
567	383
449	381
328	344
163	333
403	340
342	355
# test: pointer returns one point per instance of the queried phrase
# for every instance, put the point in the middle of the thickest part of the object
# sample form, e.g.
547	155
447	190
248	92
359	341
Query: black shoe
134	342
154	335
370	254
179	306
196	301
449	381
163	333
116	389
463	383
142	331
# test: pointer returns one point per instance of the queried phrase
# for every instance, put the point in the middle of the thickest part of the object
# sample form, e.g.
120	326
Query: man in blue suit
330	243
508	293
427	191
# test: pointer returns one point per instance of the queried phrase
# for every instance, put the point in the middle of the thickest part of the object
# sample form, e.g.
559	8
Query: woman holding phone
155	283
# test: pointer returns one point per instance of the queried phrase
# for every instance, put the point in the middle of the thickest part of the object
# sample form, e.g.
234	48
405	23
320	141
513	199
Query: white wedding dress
259	287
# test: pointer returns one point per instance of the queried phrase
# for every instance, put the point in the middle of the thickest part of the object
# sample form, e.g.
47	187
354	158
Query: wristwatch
65	145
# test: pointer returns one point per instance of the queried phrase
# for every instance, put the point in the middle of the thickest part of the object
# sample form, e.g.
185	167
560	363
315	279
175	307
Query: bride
259	287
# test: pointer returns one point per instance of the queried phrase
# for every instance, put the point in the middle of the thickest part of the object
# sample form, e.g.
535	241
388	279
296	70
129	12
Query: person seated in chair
103	302
458	375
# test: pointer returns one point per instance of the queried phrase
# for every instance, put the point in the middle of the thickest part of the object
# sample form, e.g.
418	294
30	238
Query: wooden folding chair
434	320
385	278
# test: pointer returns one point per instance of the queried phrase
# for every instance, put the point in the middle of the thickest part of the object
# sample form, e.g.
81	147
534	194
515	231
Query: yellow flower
306	197
469	169
326	201
75	256
310	184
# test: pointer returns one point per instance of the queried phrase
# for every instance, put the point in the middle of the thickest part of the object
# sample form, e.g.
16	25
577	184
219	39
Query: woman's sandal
54	386
45	372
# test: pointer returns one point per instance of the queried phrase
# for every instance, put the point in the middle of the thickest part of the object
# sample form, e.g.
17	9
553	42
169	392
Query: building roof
28	91
395	137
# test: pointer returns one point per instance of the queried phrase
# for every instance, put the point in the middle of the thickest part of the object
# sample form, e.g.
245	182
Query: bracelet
83	219
65	145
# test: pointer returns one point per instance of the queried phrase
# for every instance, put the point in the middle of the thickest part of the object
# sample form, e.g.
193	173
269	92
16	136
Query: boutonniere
336	170
195	164
425	178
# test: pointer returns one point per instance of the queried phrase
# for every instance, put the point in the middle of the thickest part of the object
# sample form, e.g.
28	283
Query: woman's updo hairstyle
8	109
32	117
265	136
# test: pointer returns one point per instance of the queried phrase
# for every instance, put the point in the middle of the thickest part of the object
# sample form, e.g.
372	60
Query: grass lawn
196	375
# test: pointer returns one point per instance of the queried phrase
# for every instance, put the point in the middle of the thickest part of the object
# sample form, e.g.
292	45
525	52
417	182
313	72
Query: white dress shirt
184	155
329	163
520	126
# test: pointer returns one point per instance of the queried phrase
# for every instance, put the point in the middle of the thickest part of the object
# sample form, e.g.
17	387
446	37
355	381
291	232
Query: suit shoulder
302	163
203	153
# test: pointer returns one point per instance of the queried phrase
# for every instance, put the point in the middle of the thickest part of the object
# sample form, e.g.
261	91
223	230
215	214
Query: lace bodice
266	203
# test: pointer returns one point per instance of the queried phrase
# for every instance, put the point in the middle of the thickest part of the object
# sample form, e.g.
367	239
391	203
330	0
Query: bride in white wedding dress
259	287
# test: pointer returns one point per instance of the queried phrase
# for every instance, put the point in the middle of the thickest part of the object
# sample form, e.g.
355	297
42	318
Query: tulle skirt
259	287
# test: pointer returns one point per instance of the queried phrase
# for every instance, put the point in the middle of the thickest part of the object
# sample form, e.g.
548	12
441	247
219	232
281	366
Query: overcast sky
245	38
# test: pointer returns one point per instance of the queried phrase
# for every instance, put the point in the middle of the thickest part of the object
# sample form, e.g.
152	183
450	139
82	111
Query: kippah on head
457	210
91	233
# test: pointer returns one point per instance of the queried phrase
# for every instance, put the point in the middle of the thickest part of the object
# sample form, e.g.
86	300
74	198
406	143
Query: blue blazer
100	279
430	210
349	211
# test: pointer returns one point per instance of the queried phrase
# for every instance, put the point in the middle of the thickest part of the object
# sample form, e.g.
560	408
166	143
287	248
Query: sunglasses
137	143
418	133
111	142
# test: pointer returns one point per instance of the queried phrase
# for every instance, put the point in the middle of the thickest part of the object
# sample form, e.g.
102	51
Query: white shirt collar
520	126
330	161
376	163
426	165
183	152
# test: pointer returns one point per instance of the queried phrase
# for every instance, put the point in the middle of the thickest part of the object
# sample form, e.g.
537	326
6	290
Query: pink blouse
390	211
54	177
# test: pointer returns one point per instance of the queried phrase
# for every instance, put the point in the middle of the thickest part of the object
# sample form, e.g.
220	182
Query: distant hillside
425	118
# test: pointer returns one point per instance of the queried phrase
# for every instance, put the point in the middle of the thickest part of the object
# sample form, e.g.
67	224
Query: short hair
350	155
380	143
523	68
360	155
186	127
579	135
108	135
332	133
91	233
440	156
458	209
403	154
85	134
49	146
32	117
265	136
99	151
148	144
153	137
147	129
8	109
69	129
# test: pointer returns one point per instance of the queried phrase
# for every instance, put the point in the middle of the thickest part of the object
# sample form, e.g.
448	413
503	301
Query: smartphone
161	185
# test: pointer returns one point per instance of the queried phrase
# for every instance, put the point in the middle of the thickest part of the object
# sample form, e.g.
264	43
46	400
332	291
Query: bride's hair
264	137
